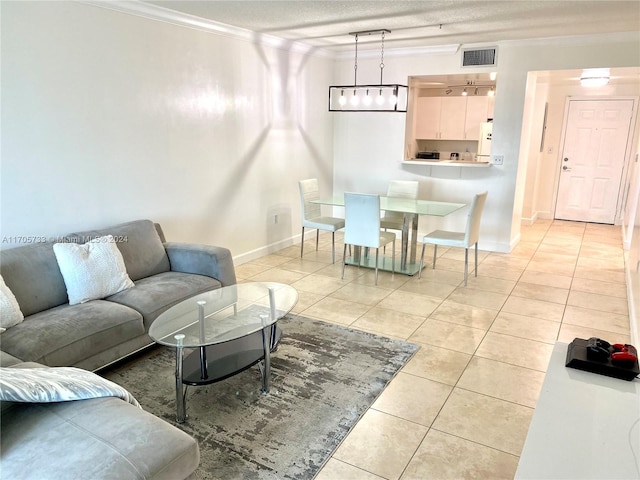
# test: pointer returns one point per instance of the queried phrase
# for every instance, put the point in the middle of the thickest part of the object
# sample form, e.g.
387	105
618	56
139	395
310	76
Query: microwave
428	155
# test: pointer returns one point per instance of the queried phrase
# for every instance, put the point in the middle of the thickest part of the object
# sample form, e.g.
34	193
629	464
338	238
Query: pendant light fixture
368	98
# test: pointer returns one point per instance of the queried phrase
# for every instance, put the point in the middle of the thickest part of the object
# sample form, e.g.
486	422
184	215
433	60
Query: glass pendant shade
368	98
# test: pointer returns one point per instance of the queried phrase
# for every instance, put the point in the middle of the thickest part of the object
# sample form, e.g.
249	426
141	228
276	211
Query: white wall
537	99
362	162
631	230
109	117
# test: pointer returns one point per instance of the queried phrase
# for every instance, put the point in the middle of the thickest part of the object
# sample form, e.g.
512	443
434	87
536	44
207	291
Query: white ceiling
326	24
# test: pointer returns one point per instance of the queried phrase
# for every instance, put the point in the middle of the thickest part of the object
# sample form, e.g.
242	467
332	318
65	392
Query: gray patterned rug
324	377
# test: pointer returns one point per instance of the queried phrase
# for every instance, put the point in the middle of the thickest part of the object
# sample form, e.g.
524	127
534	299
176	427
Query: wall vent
479	57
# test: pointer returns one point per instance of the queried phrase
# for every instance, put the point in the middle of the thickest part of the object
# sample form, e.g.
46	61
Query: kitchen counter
585	426
448	163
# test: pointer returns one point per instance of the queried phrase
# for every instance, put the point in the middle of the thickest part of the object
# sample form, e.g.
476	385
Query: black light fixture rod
355	66
371	32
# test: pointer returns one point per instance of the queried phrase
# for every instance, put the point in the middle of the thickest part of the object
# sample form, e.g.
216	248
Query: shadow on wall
232	189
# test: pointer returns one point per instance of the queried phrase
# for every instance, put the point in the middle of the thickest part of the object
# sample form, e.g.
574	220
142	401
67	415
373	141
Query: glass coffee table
222	332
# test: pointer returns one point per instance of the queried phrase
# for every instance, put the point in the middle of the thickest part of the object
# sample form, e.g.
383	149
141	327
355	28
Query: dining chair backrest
362	219
472	233
309	191
401	189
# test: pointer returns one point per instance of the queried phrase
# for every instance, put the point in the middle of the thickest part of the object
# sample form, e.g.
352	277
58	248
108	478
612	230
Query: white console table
585	426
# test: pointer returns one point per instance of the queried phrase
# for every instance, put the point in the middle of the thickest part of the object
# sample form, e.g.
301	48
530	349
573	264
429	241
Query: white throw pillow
93	270
10	313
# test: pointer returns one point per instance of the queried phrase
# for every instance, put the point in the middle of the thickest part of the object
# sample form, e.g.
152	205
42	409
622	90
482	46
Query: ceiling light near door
368	98
594	77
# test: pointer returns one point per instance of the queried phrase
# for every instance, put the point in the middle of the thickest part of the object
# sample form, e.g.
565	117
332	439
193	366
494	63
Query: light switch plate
497	159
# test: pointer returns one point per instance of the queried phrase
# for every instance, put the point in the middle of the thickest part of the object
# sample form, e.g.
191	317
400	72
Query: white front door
593	158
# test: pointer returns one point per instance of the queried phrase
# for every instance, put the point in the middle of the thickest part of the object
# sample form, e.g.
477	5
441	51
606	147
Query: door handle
564	167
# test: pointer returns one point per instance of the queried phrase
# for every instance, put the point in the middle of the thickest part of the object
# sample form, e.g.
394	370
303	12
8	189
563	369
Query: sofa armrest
215	262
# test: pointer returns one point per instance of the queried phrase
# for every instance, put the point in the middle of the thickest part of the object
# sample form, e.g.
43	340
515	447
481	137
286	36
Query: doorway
593	158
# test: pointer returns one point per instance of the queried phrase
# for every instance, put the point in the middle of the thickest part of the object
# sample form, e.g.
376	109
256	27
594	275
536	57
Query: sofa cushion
32	274
153	295
7	360
92	270
10	313
140	245
102	438
64	335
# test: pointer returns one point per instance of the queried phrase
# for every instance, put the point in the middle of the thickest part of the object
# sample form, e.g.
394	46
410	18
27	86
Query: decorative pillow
10	313
92	270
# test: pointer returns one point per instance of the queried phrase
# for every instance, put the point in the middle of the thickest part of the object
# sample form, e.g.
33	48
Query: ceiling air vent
479	57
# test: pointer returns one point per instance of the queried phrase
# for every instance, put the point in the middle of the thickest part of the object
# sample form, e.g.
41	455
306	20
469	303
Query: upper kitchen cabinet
491	105
451	118
440	118
427	124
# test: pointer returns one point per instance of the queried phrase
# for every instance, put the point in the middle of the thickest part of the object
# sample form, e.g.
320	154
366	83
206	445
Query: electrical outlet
497	159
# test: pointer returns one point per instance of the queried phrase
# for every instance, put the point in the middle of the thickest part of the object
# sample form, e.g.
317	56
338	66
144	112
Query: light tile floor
461	407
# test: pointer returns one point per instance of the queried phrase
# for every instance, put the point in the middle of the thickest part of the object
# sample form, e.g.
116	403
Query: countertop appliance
428	155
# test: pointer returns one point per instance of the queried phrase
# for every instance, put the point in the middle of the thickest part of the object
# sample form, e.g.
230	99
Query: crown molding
162	14
403	52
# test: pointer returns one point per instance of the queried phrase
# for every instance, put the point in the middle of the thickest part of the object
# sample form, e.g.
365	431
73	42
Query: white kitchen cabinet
450	118
452	115
427	124
490	106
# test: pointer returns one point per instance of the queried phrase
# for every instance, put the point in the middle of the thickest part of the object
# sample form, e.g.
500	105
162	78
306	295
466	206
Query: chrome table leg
266	372
180	400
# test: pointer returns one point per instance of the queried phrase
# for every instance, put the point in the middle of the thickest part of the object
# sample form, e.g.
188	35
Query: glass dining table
412	209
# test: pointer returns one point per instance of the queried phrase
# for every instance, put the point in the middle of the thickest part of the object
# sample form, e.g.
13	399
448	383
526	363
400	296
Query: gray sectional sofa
102	437
94	334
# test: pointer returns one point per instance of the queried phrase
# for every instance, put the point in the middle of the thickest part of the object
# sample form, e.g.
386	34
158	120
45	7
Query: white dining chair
398	189
312	215
458	239
362	227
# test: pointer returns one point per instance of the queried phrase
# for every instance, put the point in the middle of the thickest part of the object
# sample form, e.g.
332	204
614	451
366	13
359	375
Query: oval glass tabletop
227	313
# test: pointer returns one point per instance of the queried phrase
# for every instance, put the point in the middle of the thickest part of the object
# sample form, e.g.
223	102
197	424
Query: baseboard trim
266	250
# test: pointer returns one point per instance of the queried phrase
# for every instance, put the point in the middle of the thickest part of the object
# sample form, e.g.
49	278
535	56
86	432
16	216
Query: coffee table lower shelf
225	360
214	363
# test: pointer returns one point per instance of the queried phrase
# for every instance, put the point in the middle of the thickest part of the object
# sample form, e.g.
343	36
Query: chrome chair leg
302	243
435	252
476	270
466	265
421	260
333	247
344	260
317	238
393	258
377	251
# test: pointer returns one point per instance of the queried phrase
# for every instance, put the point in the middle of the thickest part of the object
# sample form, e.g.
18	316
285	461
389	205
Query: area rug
324	377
